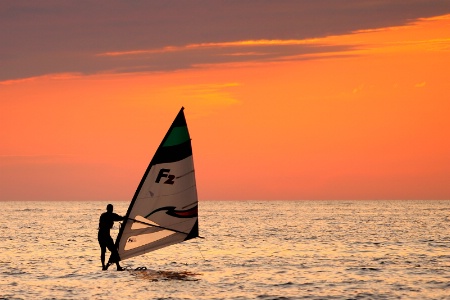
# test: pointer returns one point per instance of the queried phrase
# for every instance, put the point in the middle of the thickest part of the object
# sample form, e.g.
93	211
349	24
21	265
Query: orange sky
365	119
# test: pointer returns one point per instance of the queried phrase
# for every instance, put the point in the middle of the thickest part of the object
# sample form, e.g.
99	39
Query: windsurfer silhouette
106	222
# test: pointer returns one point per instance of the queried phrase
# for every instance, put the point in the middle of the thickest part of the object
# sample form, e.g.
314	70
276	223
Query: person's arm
117	217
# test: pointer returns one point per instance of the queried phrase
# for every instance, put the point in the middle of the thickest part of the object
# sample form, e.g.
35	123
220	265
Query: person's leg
114	258
102	256
103	243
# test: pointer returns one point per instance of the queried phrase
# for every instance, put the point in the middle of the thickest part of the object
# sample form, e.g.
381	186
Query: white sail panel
158	190
142	239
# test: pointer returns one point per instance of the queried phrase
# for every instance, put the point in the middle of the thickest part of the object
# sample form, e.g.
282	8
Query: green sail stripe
177	136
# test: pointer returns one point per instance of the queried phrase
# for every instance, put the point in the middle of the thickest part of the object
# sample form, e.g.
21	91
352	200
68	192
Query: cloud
202	98
52	36
234	44
420	85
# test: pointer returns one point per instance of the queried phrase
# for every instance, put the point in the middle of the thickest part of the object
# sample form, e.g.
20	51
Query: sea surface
250	250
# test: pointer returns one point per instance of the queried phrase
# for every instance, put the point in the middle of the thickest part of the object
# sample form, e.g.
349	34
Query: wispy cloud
57	76
203	96
237	44
420	85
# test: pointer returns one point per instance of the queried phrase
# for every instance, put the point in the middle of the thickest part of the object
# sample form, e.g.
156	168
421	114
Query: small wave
14	271
71	275
270	297
284	284
365	269
370	269
30	209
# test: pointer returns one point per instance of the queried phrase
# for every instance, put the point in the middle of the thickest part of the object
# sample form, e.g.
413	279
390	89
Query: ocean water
251	250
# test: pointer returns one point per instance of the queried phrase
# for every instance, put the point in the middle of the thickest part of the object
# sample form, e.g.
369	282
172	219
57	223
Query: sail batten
156	226
163	210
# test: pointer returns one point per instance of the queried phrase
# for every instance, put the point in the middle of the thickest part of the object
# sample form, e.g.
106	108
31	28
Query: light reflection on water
251	250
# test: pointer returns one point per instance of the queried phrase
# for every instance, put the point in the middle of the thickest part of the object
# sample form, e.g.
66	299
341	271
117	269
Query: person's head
109	208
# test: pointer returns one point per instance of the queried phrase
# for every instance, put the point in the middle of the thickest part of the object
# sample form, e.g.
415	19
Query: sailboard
164	209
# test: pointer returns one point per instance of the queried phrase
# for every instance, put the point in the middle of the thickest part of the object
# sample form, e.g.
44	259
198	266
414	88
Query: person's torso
106	222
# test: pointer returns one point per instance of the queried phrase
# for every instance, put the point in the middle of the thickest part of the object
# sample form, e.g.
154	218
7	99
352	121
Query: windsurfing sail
163	210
